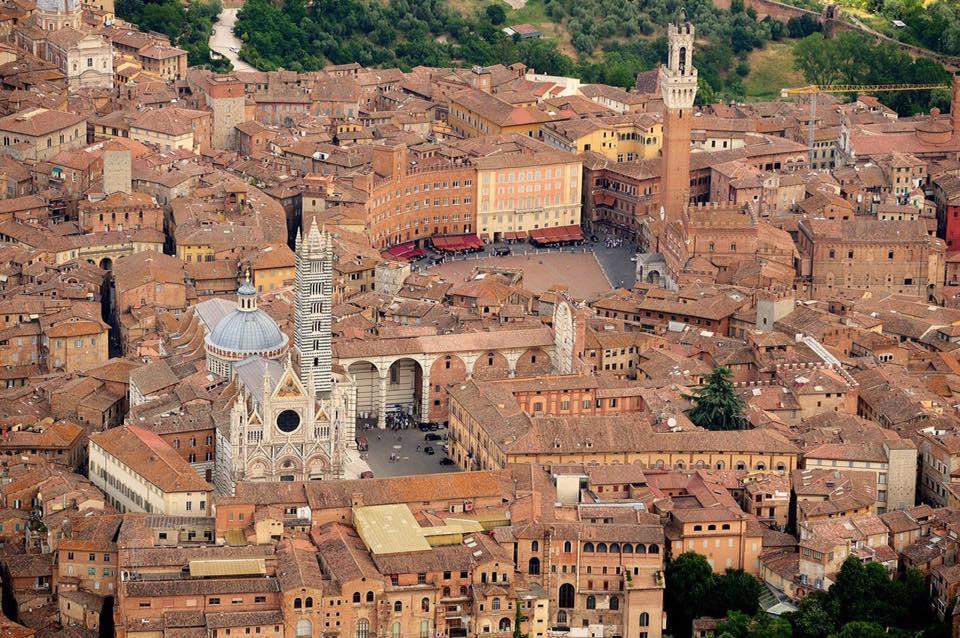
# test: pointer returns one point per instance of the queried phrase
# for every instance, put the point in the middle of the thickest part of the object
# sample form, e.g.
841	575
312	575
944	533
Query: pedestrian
418	447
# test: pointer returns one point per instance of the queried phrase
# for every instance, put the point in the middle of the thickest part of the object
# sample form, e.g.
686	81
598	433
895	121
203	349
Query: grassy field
771	69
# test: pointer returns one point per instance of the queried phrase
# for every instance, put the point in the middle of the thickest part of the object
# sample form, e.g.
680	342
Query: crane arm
859	88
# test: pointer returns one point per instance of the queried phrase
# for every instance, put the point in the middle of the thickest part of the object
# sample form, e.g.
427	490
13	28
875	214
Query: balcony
654	580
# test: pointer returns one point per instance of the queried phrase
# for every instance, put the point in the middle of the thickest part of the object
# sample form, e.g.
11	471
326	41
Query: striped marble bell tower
312	309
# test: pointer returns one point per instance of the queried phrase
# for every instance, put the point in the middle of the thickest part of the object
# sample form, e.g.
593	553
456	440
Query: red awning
457	243
556	235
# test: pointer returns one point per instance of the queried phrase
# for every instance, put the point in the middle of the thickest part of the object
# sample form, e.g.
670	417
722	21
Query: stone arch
287	466
446	370
106	263
257	470
405	385
367	377
653	277
533	362
316	468
491	365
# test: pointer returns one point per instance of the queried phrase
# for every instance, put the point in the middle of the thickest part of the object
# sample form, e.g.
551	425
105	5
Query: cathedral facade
290	417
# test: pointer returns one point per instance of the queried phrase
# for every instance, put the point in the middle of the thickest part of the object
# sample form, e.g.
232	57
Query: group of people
400	421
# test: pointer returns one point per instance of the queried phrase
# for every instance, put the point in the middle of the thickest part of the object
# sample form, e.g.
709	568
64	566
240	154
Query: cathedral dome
58	6
245	332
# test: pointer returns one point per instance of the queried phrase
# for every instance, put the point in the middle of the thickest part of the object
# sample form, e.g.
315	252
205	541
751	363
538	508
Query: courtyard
588	271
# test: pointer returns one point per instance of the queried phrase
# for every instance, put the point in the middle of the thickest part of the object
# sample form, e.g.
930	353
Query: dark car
429	450
594	238
501	252
446	461
433	437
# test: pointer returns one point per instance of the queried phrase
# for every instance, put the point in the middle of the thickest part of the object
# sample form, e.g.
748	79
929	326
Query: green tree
518	619
861	629
717	406
496	14
736	590
739	625
814	617
689	578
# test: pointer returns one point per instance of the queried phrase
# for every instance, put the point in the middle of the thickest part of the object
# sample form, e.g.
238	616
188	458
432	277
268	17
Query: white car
634	259
234	50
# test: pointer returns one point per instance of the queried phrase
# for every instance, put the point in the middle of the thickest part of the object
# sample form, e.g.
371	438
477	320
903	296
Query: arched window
308	603
398	606
627	548
566	597
363	628
588	548
614	548
495	604
504	624
654	548
369	596
567	547
761	466
425	604
719	465
356	597
614	603
781	467
533	567
644	619
561	617
297	603
396	630
304	628
535	546
601	548
591	602
741	466
641	549
679	465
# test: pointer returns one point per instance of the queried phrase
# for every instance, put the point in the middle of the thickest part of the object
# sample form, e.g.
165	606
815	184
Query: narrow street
223	39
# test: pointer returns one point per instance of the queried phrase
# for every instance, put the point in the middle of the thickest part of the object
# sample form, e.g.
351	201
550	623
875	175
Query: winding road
223	39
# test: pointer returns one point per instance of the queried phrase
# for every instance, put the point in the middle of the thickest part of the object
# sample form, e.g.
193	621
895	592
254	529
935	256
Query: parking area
402	453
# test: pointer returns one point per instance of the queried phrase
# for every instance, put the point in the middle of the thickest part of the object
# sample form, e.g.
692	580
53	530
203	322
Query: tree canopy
692	590
717	406
854	58
188	26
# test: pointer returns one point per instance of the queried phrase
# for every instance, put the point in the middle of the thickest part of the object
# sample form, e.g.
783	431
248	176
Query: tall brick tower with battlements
678	86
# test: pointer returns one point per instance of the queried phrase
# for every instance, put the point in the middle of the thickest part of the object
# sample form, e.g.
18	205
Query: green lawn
771	69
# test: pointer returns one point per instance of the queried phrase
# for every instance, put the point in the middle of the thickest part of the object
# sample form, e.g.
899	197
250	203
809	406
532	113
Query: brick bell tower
678	85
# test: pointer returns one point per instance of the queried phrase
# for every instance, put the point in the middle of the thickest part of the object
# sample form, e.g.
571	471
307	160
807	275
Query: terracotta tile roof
152	458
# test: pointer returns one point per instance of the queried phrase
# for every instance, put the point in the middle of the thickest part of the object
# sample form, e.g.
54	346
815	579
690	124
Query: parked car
433	437
446	461
429	451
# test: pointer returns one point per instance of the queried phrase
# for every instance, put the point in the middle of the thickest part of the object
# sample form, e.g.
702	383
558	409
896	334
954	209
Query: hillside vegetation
608	41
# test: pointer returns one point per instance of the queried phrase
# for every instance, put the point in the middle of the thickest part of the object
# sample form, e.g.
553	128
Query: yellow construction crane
815	89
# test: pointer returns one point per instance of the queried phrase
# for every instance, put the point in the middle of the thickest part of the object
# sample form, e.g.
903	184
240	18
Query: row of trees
863	602
614	40
188	26
855	58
